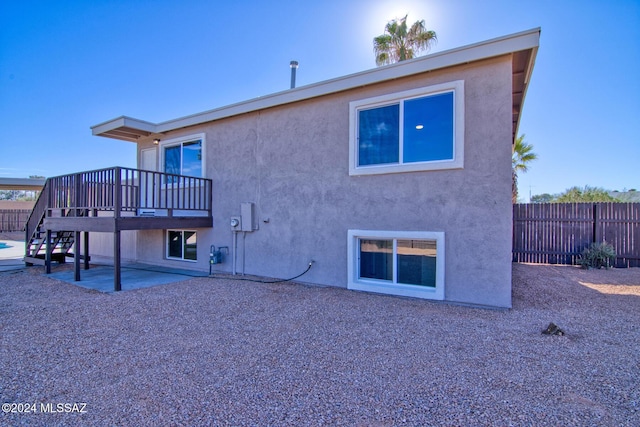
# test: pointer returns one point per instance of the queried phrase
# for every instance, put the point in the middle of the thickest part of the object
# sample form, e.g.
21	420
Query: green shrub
598	255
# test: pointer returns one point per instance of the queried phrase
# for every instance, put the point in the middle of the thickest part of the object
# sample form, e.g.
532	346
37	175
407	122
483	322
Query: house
394	180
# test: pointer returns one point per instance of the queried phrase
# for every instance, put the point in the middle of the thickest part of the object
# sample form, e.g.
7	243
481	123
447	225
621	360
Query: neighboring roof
29	184
523	46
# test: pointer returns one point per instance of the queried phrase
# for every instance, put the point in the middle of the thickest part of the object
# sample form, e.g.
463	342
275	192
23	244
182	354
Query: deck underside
112	224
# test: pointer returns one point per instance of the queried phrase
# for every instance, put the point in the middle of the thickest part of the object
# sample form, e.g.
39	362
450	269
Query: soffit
522	66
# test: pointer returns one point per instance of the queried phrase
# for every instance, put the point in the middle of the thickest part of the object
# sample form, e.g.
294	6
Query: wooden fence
557	233
13	219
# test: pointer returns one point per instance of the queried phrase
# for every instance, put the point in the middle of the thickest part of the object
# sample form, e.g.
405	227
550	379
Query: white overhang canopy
124	128
521	46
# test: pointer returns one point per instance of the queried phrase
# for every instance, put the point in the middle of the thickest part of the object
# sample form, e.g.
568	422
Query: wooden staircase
61	242
36	237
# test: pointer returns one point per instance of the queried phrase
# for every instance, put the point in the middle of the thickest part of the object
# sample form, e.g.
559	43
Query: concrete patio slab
133	276
99	277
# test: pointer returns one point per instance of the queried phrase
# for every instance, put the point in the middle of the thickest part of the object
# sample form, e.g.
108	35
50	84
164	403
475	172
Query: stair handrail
37	214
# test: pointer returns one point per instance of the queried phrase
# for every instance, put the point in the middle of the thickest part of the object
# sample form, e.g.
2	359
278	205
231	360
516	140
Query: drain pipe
235	251
294	67
244	249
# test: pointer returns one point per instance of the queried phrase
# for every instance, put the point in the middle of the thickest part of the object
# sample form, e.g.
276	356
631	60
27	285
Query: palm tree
399	43
522	155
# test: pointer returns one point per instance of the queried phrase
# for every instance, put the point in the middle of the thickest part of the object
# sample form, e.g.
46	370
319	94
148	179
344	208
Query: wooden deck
111	200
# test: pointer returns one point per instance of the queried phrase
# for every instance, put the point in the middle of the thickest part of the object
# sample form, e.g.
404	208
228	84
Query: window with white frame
183	156
408	263
182	245
415	130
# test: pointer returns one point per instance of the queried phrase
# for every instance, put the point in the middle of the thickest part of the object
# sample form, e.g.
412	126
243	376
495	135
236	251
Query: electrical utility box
247	212
236	223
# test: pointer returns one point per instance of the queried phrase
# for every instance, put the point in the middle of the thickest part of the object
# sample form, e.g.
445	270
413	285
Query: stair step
39	259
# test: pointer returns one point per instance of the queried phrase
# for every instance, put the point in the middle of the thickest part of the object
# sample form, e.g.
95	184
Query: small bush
598	255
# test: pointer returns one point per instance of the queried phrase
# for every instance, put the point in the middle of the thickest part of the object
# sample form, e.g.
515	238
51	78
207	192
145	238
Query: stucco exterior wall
101	246
292	162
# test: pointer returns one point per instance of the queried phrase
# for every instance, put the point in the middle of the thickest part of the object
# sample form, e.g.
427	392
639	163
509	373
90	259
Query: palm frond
425	40
399	42
522	155
383	59
381	48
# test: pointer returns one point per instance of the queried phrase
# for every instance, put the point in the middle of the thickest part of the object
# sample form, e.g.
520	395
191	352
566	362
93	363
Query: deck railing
116	192
121	190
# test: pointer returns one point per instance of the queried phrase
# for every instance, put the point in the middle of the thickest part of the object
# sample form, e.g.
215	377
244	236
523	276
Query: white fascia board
123	121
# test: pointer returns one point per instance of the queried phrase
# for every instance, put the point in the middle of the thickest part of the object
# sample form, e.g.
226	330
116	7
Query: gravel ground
222	352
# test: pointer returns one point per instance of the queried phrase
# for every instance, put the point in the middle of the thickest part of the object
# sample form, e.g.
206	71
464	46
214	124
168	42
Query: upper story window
183	156
416	130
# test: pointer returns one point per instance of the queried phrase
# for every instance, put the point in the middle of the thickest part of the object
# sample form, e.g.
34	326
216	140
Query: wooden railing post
117	192
77	194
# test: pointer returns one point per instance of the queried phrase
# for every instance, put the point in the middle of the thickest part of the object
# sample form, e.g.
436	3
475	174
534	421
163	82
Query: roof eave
124	128
517	106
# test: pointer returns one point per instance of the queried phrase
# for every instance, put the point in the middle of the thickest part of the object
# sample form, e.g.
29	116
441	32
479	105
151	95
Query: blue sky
65	66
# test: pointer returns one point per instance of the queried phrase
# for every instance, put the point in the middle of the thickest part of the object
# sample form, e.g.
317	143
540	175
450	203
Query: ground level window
182	244
399	263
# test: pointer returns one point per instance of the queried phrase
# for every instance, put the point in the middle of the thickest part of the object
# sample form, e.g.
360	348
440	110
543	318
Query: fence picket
556	233
13	219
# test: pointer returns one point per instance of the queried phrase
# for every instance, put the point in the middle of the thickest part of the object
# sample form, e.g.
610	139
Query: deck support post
86	250
27	250
47	255
117	278
117	206
76	256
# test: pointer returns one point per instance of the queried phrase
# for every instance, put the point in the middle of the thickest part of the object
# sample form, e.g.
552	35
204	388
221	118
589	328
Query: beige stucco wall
101	246
292	162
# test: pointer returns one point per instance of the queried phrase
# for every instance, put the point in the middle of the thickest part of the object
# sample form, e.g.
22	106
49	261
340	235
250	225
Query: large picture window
182	244
421	129
398	263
